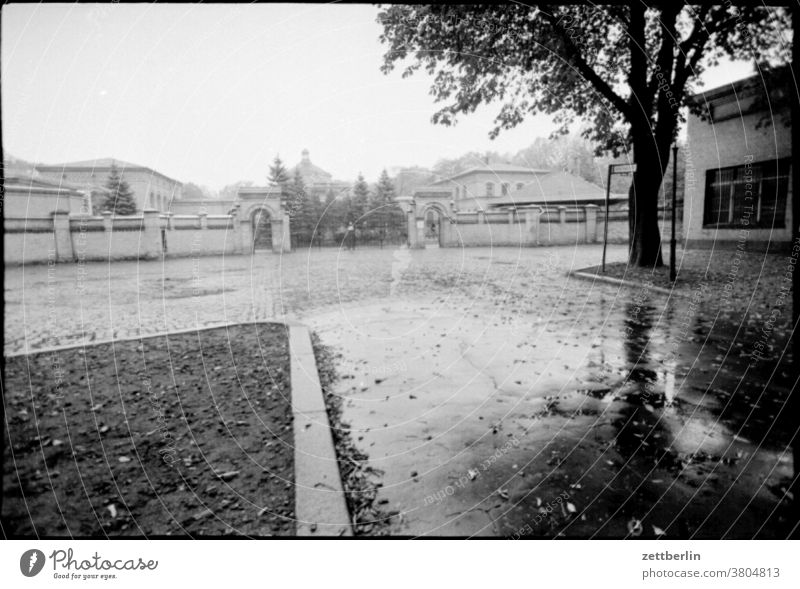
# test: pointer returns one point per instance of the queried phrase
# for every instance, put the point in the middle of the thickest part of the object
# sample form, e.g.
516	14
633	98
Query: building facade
478	187
151	189
738	173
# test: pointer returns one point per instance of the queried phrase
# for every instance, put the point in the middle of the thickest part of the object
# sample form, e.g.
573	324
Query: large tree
120	199
626	69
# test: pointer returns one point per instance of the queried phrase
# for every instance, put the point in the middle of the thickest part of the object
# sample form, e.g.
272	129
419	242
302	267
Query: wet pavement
498	396
583	411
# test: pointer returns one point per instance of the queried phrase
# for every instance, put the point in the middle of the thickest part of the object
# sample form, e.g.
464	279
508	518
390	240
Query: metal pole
605	225
674	198
793	400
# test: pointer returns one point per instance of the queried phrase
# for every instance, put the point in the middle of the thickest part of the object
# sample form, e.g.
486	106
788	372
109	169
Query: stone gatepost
415	239
203	220
63	238
286	236
281	235
107	223
445	230
150	245
562	224
591	223
532	219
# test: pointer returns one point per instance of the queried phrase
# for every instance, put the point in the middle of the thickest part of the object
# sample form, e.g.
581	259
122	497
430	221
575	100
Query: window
751	195
490	189
520	185
504	189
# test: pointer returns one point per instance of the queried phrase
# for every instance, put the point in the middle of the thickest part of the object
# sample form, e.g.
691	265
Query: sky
211	93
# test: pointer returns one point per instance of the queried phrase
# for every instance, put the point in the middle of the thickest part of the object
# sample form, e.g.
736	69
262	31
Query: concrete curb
618	282
132	338
319	503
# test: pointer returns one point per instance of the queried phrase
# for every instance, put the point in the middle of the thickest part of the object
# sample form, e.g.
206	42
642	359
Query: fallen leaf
635	527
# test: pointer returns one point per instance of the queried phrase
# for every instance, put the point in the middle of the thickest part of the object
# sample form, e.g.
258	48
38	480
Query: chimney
306	159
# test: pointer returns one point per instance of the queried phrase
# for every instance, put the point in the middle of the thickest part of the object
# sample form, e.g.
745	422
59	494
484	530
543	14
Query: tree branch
573	56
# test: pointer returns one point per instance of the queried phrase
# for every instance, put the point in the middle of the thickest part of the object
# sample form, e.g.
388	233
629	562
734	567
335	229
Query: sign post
612	169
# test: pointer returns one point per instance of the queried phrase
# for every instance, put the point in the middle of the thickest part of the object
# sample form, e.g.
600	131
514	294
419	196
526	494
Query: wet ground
498	396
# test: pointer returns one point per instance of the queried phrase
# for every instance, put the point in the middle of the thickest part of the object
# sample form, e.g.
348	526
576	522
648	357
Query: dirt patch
178	435
360	481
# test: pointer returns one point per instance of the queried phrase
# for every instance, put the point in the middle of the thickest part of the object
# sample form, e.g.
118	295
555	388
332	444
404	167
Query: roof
556	188
103	163
28	182
311	173
433	192
498	168
756	81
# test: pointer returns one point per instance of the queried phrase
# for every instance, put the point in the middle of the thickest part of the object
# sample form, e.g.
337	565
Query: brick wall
65	238
725	143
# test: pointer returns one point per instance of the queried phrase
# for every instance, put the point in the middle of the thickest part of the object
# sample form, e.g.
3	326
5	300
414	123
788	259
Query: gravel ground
185	435
68	304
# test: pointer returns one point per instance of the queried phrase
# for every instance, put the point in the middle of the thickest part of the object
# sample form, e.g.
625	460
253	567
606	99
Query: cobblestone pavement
69	304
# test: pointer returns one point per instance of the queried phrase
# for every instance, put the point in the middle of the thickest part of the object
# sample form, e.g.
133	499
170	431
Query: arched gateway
429	217
264	224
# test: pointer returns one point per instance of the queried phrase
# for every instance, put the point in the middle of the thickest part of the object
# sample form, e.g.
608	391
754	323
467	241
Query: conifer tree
120	199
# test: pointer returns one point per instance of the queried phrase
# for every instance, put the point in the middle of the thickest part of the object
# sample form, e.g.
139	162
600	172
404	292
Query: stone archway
261	227
262	217
434	219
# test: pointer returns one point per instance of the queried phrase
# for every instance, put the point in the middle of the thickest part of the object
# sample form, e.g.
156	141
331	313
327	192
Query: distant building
479	186
409	179
26	197
738	170
152	189
316	180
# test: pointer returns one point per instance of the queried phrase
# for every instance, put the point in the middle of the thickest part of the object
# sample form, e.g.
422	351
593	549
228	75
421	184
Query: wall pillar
246	236
445	230
532	225
591	222
63	238
286	237
415	241
150	247
107	224
203	220
281	235
562	223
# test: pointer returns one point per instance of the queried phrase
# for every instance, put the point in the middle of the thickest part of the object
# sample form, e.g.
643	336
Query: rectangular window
750	195
490	189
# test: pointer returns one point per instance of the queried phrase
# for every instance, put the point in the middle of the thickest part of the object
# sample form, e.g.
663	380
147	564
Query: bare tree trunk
645	238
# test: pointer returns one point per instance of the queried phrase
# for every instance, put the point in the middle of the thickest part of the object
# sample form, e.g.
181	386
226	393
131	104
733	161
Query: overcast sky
210	93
